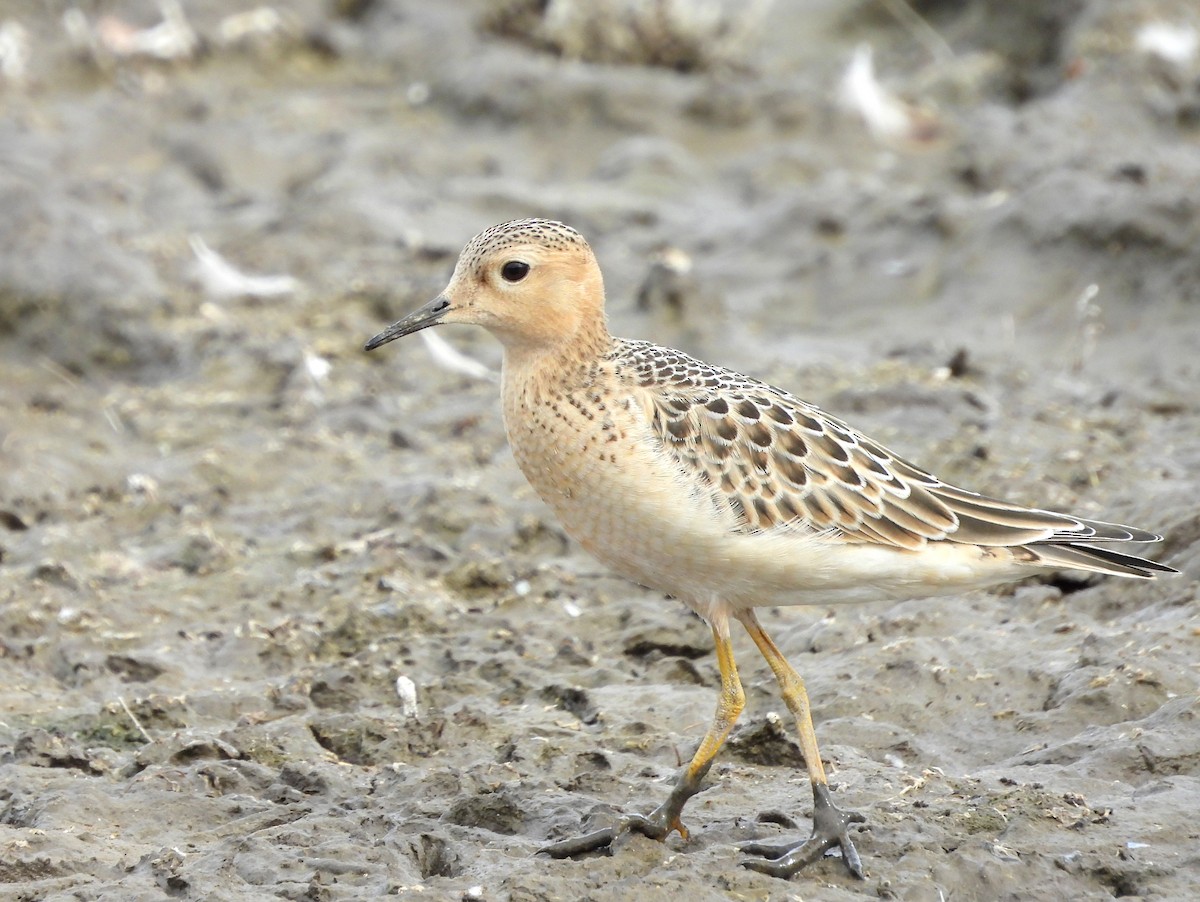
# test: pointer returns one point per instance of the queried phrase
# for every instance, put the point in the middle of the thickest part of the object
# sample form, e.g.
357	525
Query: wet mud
280	619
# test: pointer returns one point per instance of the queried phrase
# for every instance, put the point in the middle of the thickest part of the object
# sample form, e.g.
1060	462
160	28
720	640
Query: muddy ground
226	532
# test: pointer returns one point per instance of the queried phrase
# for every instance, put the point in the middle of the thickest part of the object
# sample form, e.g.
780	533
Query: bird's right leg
666	817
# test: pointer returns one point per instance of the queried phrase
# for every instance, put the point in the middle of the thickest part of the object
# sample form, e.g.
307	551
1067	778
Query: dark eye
514	271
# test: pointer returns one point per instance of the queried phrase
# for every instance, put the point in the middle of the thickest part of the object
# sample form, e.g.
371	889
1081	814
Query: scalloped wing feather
778	462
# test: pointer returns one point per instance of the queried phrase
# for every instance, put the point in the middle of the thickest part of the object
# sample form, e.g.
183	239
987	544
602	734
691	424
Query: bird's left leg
665	819
830	824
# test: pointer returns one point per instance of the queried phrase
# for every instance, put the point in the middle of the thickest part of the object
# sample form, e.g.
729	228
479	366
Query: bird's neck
533	373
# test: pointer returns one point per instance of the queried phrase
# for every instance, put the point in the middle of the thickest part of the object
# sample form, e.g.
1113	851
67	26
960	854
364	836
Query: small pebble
406	690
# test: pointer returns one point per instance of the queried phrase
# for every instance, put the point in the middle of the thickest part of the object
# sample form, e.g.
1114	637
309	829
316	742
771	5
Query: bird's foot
658	824
830	828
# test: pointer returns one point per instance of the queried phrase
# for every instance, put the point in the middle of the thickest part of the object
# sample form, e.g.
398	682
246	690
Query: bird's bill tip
421	318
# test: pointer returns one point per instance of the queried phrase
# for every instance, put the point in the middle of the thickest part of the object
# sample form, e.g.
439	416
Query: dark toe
580	845
830	828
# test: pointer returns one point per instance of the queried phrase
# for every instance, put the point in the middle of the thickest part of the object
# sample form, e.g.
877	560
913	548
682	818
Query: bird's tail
1097	560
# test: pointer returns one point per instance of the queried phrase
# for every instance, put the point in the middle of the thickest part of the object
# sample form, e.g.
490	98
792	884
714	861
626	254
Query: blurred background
279	618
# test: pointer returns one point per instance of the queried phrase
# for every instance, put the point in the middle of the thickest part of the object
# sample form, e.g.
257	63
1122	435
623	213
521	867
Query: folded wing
777	462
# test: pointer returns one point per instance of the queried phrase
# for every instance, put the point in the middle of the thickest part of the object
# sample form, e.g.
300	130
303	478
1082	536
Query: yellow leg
795	696
665	818
730	703
829	824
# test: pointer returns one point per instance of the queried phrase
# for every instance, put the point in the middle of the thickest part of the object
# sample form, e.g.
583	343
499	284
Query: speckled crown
545	232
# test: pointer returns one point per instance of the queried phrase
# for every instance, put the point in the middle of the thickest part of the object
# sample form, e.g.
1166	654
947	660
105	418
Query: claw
677	825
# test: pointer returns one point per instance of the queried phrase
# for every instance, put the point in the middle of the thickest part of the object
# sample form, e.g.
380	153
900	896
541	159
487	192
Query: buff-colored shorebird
726	493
